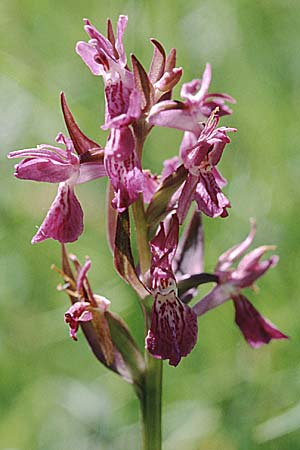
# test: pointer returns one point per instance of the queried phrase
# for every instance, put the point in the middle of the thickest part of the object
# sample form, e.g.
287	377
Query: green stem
151	404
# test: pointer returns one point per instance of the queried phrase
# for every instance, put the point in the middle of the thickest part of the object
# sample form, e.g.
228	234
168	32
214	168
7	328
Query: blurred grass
53	394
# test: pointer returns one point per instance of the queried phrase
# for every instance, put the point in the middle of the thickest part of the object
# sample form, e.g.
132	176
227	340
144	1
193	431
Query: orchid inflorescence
169	270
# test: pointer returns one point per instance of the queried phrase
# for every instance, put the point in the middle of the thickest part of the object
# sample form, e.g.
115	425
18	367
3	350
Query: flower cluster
167	275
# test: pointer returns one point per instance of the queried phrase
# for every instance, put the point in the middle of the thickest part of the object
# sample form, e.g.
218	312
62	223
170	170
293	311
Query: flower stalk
150	403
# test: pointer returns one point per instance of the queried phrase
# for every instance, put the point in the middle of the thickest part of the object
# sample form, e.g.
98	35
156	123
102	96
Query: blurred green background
225	396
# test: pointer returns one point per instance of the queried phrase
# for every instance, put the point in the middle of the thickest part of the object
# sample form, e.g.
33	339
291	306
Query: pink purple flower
77	313
47	163
106	57
198	105
88	307
173	329
256	329
200	154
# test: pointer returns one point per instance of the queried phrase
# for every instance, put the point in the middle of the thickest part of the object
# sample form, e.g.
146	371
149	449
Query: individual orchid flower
106	57
77	313
200	156
173	329
250	267
64	220
123	167
89	307
106	333
198	105
256	329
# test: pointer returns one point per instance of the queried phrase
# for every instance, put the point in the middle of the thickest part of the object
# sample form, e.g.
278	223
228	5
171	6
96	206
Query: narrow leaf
123	258
118	365
127	347
158	206
112	216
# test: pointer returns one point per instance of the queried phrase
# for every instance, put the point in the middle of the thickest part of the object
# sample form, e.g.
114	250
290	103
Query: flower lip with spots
173	328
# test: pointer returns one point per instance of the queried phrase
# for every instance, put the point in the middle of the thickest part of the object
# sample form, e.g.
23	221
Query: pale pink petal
44	169
64	220
121	26
170	167
151	183
90	171
252	259
190	89
41	151
169	80
248	275
235	252
88	54
205	82
173	115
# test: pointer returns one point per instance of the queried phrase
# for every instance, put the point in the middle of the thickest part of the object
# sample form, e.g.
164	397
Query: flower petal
75	314
186	196
235	252
44	169
210	198
123	168
90	171
88	53
116	116
174	114
256	329
64	220
121	26
151	184
173	330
